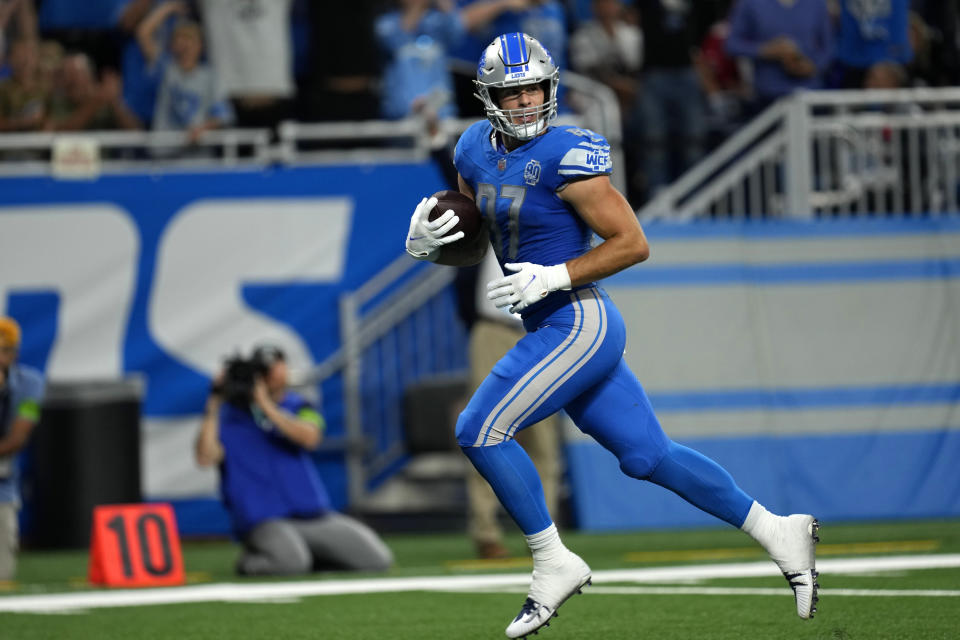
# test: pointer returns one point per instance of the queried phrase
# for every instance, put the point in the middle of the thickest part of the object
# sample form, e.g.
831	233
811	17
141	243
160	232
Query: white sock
761	525
546	546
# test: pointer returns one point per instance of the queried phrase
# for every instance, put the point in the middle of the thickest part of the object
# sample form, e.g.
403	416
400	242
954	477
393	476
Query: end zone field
878	580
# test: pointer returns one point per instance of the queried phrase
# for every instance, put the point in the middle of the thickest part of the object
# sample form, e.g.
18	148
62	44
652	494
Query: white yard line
280	591
756	591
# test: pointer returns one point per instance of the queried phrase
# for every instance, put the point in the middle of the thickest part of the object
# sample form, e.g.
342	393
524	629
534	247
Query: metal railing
395	329
829	153
90	153
26	154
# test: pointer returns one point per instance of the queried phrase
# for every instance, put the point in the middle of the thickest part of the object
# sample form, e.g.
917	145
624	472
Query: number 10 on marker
135	545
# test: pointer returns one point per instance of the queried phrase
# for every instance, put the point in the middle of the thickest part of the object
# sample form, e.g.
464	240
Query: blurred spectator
85	15
21	395
24	101
251	51
581	11
788	41
260	434
920	69
609	49
189	98
18	20
302	38
935	40
671	119
943	21
49	62
870	33
347	89
884	75
415	39
84	25
722	82
141	80
545	20
81	103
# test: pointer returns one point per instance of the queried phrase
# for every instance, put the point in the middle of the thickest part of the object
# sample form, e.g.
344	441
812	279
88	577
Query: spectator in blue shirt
416	39
871	33
189	98
21	394
790	43
141	79
545	20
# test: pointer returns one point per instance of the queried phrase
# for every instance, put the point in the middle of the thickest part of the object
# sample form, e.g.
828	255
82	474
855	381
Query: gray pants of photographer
9	541
331	542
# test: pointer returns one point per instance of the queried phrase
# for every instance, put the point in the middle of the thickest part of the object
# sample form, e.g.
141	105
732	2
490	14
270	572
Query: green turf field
863	604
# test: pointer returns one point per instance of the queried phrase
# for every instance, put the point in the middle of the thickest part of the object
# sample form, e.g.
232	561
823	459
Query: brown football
464	207
473	245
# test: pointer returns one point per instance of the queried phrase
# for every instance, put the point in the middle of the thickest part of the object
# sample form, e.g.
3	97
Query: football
466	209
470	249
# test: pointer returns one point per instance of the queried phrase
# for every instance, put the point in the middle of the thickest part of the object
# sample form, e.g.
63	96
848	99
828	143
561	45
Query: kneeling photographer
260	434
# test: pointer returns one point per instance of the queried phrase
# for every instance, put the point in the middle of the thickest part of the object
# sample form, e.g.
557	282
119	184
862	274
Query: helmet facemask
517	60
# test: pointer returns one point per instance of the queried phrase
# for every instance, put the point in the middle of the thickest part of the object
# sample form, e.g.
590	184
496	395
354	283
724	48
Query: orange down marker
135	545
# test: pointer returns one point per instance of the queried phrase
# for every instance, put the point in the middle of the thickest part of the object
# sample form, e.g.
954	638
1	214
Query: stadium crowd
686	73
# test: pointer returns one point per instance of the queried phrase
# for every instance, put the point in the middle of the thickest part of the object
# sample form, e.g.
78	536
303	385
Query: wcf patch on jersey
531	173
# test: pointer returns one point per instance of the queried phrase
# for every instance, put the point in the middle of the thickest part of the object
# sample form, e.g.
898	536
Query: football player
545	190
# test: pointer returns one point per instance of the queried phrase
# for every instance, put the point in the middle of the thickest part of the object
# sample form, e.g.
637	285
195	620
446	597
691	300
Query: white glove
531	283
425	235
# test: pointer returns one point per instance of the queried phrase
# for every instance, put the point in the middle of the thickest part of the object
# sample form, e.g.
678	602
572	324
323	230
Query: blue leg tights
701	482
514	479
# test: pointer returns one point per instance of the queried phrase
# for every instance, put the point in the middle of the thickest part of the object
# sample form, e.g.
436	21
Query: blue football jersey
518	190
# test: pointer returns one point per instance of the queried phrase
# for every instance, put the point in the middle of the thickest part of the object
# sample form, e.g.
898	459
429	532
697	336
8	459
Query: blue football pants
572	359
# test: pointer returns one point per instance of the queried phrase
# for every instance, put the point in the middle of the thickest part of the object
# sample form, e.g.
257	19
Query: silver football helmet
513	60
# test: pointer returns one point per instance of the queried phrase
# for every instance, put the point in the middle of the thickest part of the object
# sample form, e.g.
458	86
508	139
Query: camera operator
260	434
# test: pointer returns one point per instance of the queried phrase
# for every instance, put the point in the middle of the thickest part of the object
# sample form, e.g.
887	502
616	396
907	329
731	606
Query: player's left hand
530	283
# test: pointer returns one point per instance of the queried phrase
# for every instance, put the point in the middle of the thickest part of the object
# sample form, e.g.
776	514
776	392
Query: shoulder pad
588	154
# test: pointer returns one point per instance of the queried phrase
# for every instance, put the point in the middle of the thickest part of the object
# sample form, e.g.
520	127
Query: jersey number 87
487	202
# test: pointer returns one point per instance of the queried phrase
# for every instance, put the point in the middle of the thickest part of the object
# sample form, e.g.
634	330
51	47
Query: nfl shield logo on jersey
502	164
531	173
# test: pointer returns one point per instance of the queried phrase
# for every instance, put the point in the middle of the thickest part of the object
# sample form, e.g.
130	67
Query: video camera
241	373
238	378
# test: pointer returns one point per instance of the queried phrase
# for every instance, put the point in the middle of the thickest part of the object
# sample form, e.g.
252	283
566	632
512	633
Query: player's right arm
610	216
582	181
